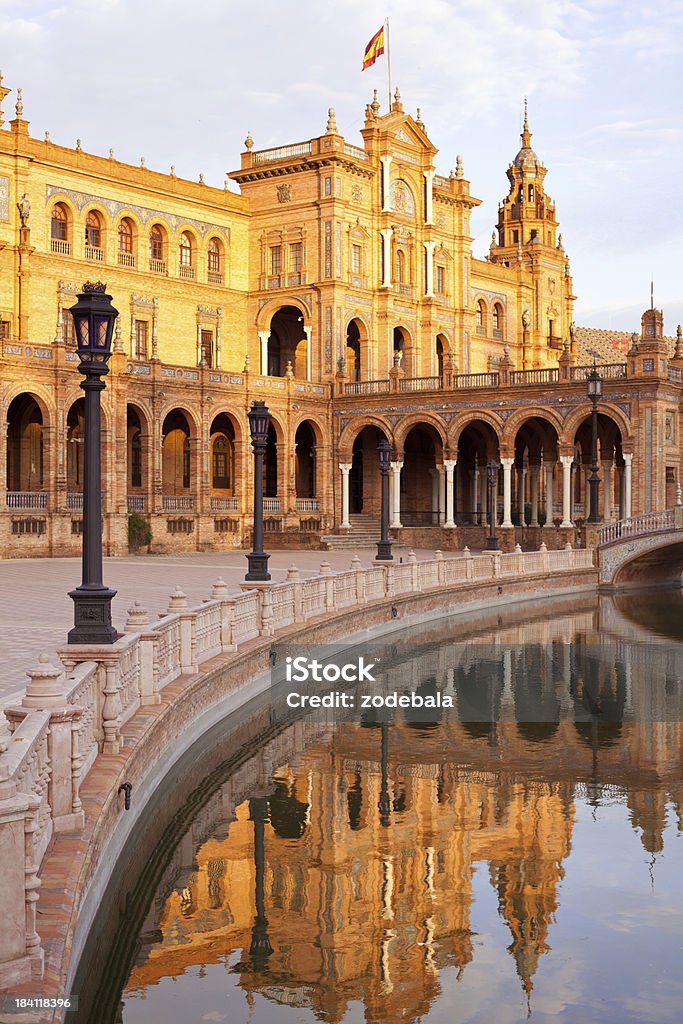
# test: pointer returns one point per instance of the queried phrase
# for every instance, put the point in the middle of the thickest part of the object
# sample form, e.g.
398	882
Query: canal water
516	858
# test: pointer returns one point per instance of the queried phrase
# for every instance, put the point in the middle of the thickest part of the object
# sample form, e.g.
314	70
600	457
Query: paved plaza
36	612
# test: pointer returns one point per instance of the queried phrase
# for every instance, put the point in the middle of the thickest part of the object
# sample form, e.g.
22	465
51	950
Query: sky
182	82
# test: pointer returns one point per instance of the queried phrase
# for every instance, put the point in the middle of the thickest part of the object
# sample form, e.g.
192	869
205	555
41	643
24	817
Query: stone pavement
36	612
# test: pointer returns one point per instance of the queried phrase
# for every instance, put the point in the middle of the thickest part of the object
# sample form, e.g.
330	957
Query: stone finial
219	591
45	689
118	343
293	573
418	120
566	344
438	555
412	557
493	240
249	142
137	619
142	162
679	499
355	563
79	148
226	185
177	601
567	546
289	369
518	549
466	551
543	546
331	122
325	569
375	105
201	178
559	241
47	137
19	105
679	342
397	95
459	173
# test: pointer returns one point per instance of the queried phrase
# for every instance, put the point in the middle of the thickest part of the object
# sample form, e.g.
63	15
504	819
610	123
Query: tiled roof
606	346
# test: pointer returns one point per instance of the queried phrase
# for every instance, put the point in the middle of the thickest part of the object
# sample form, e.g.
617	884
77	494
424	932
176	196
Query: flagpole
388	64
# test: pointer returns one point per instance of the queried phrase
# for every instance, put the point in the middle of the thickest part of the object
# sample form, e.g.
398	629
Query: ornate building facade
340	287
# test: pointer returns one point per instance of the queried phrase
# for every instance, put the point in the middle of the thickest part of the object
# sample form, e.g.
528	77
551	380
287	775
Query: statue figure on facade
24	208
572	332
526	318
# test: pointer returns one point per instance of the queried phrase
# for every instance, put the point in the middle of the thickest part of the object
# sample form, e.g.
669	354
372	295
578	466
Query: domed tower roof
526	156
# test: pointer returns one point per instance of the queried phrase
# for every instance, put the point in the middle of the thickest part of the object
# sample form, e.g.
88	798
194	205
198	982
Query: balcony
74	501
224	503
186	272
93	253
27	499
421	384
271	504
307	505
158	266
214	277
177	502
136	503
126	259
63	248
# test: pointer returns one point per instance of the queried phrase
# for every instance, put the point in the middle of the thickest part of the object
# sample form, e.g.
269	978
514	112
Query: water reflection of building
362	854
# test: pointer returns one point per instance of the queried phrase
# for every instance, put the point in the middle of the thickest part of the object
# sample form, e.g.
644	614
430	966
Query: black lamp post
94	318
384	802
259	422
594	393
492	476
384	544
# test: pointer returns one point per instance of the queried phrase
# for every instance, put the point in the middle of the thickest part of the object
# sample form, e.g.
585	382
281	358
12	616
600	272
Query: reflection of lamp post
492	474
259	422
384	544
94	318
384	802
260	947
594	393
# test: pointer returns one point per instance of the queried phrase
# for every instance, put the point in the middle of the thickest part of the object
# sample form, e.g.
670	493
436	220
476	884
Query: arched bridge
644	549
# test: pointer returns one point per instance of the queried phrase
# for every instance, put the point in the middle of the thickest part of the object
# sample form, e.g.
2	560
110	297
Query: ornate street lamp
384	802
594	382
384	544
492	476
259	422
260	948
94	318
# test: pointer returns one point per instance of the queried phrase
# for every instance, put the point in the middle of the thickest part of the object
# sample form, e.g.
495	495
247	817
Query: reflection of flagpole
388	63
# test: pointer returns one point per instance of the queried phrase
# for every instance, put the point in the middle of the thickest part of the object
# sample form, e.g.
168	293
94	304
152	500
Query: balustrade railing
271	504
307	504
367	387
224	503
266	156
177	502
26	499
421	384
540	376
648	522
136	503
475	380
608	371
74	501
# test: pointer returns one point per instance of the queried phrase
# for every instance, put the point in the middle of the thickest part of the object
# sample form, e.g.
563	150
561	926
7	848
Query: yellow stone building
340	287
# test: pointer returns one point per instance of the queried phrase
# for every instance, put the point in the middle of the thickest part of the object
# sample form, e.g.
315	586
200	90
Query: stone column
520	493
586	493
263	338
474	504
386	234
435	495
628	485
395	492
566	461
534	485
429	269
309	353
345	468
483	495
607	491
441	470
429	206
549	469
449	465
386	182
507	465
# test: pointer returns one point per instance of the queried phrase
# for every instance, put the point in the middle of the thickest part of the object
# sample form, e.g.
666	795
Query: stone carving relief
284	193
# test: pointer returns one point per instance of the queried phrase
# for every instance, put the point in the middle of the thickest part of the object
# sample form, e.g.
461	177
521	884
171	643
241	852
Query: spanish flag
374	49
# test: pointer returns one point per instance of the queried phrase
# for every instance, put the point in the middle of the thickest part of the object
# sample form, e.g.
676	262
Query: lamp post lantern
384	544
94	318
259	423
492	477
594	382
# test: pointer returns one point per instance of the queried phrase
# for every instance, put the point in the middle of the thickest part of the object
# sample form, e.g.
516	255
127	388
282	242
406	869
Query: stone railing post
440	568
137	622
496	564
220	592
21	957
111	708
294	578
177	605
469	564
265	611
414	571
545	561
326	571
360	579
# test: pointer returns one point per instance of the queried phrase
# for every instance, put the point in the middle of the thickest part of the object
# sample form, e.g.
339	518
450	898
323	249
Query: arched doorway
137	460
270	464
176	461
25	469
364	477
477	447
611	463
537	482
353	351
305	462
75	437
402	350
287	344
422	453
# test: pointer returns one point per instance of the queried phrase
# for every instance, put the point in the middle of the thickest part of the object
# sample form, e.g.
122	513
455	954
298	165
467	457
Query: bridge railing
648	522
72	713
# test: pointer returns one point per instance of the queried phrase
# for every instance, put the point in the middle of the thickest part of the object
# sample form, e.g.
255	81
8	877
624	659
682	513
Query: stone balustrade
72	713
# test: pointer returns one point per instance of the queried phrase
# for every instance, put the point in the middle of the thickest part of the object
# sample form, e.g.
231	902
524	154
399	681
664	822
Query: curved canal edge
129	712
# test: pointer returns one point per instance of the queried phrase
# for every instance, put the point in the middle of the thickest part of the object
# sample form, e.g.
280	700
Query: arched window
185	250
214	250
221	463
93	231
481	317
136	460
400	266
59	223
156	243
497	317
125	236
531	193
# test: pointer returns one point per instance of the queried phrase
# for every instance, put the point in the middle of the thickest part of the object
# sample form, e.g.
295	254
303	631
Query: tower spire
525	133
